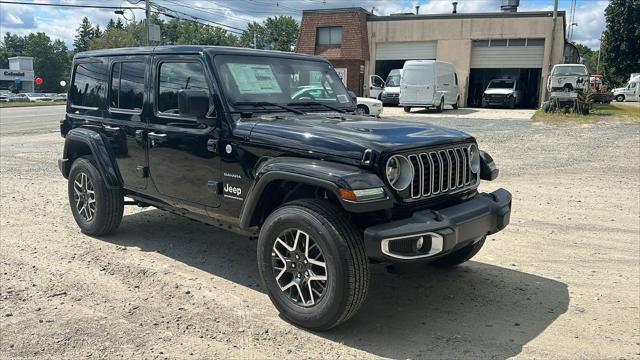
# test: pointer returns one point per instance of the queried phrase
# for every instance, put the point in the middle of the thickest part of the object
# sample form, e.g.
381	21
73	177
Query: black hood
349	135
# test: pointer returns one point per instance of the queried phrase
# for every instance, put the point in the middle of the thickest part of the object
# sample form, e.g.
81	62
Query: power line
231	29
71	5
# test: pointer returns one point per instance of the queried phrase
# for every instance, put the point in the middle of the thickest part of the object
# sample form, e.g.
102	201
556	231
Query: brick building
481	46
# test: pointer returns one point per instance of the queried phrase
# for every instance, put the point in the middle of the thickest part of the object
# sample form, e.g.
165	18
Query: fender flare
323	174
103	158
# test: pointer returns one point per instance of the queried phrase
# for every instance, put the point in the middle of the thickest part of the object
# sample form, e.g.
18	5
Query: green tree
51	60
119	25
621	39
114	38
111	24
84	34
589	57
12	45
275	33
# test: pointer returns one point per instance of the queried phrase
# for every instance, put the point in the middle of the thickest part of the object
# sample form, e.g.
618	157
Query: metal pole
599	52
147	15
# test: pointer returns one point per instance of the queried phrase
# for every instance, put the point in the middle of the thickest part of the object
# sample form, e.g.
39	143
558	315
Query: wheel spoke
290	248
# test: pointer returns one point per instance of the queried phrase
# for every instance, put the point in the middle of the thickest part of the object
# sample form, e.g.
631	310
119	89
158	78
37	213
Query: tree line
52	58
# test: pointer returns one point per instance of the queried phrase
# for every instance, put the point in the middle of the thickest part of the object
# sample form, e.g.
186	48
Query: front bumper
443	231
390	100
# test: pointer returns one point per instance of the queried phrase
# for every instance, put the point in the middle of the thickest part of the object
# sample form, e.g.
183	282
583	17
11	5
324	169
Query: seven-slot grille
441	171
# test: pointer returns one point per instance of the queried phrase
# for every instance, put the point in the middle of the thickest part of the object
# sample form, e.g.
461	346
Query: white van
428	84
630	92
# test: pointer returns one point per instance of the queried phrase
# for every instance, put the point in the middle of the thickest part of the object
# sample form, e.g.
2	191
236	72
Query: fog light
419	243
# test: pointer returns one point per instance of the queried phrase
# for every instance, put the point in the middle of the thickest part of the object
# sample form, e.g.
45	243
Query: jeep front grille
441	171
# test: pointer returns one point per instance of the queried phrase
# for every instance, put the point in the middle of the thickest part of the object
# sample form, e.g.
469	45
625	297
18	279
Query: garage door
513	53
414	50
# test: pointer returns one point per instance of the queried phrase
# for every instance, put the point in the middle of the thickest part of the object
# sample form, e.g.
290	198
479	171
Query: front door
125	121
376	84
183	163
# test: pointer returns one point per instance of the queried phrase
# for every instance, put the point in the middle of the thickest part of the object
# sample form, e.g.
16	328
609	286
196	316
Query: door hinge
215	187
212	145
142	171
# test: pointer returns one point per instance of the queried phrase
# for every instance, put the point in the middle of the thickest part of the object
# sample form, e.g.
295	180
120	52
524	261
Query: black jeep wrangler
267	144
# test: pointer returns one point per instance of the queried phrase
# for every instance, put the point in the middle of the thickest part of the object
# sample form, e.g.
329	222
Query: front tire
362	110
312	263
407	109
619	98
461	255
96	208
440	107
457	104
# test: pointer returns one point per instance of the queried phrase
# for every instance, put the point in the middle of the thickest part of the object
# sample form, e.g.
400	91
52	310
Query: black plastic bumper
390	100
457	226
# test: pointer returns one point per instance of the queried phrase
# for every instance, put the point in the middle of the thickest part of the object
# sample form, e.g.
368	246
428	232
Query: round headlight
399	172
474	158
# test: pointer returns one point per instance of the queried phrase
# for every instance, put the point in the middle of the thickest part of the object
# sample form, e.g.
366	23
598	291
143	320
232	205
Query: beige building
518	45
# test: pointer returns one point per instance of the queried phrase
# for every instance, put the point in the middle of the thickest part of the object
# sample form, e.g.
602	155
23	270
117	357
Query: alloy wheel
299	267
85	196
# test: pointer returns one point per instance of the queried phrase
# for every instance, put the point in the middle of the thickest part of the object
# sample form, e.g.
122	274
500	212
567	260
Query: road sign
154	32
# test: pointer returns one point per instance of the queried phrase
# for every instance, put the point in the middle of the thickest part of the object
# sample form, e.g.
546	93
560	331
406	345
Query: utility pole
599	52
147	16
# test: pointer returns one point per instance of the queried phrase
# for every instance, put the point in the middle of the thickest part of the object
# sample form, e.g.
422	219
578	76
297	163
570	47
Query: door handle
111	128
446	84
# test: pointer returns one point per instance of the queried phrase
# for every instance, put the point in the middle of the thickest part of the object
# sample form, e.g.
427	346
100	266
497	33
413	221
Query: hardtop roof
193	49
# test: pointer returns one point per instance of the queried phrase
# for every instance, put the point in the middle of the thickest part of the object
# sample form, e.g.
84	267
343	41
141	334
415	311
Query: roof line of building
393	17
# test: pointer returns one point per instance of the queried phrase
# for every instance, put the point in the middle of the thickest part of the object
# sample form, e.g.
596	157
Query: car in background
428	84
35	97
18	98
59	97
503	92
368	106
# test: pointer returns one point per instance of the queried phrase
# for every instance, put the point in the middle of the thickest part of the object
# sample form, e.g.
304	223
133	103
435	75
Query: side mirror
353	96
193	103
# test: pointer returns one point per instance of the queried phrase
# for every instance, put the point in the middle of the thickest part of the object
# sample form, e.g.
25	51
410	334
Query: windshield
570	70
393	80
286	82
500	84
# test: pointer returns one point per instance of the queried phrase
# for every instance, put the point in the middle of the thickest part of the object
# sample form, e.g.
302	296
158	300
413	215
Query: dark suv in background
225	136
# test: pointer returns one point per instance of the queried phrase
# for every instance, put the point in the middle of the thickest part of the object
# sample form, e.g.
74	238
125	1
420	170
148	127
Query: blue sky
62	22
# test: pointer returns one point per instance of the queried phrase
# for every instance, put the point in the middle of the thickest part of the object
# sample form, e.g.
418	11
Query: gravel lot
562	281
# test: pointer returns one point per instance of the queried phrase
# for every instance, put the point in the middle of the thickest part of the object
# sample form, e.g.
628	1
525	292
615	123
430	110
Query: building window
498	43
89	85
480	43
535	42
331	36
517	42
127	85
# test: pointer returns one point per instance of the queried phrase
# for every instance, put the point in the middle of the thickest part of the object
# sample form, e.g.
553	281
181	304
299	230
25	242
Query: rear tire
457	104
340	245
96	208
440	107
407	109
460	256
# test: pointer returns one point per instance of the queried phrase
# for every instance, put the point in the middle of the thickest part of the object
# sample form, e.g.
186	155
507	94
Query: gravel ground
562	281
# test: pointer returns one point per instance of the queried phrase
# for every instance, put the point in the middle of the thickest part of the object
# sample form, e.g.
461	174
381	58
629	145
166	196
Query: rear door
183	164
125	122
416	85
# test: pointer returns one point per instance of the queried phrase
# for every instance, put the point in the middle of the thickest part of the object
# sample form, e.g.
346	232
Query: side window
89	87
176	76
127	86
632	85
456	78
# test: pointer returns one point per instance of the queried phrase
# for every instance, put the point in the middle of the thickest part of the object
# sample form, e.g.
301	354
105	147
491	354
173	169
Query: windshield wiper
310	103
267	103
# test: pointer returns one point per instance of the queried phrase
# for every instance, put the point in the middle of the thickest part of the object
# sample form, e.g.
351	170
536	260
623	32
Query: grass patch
29	104
599	112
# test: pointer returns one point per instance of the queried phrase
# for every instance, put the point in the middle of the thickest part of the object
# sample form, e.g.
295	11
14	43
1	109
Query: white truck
428	84
630	92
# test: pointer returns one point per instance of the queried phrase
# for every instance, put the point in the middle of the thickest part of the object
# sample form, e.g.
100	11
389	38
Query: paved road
34	119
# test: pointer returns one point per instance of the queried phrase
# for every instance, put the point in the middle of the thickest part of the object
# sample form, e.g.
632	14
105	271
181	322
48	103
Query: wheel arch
81	142
286	179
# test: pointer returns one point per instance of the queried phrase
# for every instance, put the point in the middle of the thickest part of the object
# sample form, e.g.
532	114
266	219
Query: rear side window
175	76
89	88
127	85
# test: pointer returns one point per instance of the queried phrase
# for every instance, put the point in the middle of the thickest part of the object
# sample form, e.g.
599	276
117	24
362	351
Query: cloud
19	17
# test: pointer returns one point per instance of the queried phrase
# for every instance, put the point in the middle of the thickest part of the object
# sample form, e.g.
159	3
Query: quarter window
127	85
176	76
89	85
330	36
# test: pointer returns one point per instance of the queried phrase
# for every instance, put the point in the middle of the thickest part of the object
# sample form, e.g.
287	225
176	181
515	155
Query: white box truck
428	84
630	92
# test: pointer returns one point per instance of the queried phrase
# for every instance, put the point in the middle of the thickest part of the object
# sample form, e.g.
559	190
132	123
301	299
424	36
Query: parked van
388	90
630	92
428	84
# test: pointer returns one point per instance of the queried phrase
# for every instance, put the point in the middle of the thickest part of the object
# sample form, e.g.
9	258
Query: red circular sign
39	81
